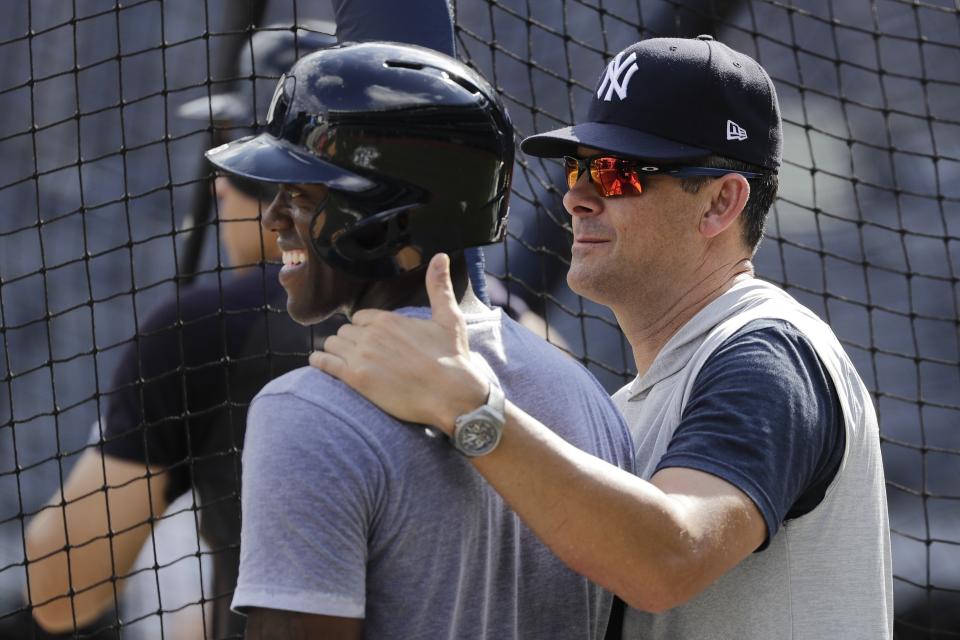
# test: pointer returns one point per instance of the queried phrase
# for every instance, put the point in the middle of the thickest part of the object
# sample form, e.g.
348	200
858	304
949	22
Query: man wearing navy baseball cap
759	510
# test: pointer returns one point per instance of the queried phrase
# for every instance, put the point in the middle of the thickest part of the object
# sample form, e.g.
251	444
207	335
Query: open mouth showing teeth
294	258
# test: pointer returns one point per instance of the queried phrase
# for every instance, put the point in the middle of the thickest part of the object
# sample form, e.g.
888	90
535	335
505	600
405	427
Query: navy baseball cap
676	100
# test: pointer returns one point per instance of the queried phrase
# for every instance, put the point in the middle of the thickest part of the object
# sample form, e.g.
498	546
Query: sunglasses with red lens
612	176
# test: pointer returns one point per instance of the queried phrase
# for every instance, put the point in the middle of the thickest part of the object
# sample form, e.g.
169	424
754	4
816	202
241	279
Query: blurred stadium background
102	187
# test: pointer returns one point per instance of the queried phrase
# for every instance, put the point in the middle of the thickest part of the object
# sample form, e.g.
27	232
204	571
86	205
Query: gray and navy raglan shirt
756	390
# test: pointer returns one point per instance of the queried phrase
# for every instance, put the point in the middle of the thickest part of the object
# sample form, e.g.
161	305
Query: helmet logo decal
617	76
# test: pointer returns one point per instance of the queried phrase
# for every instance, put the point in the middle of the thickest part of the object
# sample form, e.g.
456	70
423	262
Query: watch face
477	437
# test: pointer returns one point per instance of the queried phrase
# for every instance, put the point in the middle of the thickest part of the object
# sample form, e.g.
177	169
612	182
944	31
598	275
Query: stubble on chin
609	288
585	284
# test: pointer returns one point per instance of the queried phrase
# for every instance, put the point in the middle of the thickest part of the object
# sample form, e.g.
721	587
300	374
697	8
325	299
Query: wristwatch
478	433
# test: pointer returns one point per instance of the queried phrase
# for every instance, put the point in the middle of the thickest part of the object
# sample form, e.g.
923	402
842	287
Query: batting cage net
118	269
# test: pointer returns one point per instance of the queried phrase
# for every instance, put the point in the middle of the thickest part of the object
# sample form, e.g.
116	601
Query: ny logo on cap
617	76
735	131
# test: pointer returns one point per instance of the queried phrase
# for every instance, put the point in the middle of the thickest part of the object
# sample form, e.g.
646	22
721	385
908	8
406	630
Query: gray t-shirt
347	512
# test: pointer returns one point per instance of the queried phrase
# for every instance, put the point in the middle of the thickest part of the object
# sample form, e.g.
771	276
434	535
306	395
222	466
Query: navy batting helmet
415	148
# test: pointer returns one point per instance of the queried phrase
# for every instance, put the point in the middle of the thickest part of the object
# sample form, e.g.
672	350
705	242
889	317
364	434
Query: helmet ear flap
375	237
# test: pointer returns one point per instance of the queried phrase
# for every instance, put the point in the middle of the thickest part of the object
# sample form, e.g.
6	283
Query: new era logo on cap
617	76
735	131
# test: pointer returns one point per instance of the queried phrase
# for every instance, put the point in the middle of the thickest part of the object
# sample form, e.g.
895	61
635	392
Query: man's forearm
53	573
654	549
104	528
605	523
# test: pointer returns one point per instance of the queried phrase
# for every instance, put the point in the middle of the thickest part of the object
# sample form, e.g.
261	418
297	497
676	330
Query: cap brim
222	107
611	138
269	159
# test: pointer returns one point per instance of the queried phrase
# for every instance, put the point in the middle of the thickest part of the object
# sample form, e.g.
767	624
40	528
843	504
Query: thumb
443	302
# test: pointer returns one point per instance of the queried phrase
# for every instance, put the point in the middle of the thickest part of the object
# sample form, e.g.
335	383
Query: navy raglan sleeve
764	416
172	378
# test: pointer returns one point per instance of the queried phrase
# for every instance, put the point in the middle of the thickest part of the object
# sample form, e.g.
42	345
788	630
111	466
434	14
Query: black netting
103	190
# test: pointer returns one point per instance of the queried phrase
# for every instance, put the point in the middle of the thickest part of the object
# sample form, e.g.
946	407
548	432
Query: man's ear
729	196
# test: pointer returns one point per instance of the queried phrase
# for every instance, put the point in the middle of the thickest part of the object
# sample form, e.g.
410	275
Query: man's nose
277	216
582	199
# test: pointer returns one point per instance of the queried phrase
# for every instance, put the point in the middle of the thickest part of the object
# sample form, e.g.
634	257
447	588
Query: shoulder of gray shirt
536	376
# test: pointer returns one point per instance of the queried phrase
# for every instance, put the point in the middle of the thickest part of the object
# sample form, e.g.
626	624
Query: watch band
496	401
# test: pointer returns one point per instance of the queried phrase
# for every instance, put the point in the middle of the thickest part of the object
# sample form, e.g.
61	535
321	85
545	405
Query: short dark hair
763	191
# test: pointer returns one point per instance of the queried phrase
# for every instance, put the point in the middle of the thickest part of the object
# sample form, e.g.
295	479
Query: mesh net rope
98	195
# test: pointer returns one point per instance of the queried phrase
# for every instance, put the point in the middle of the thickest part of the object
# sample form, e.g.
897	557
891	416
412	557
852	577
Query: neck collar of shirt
678	350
